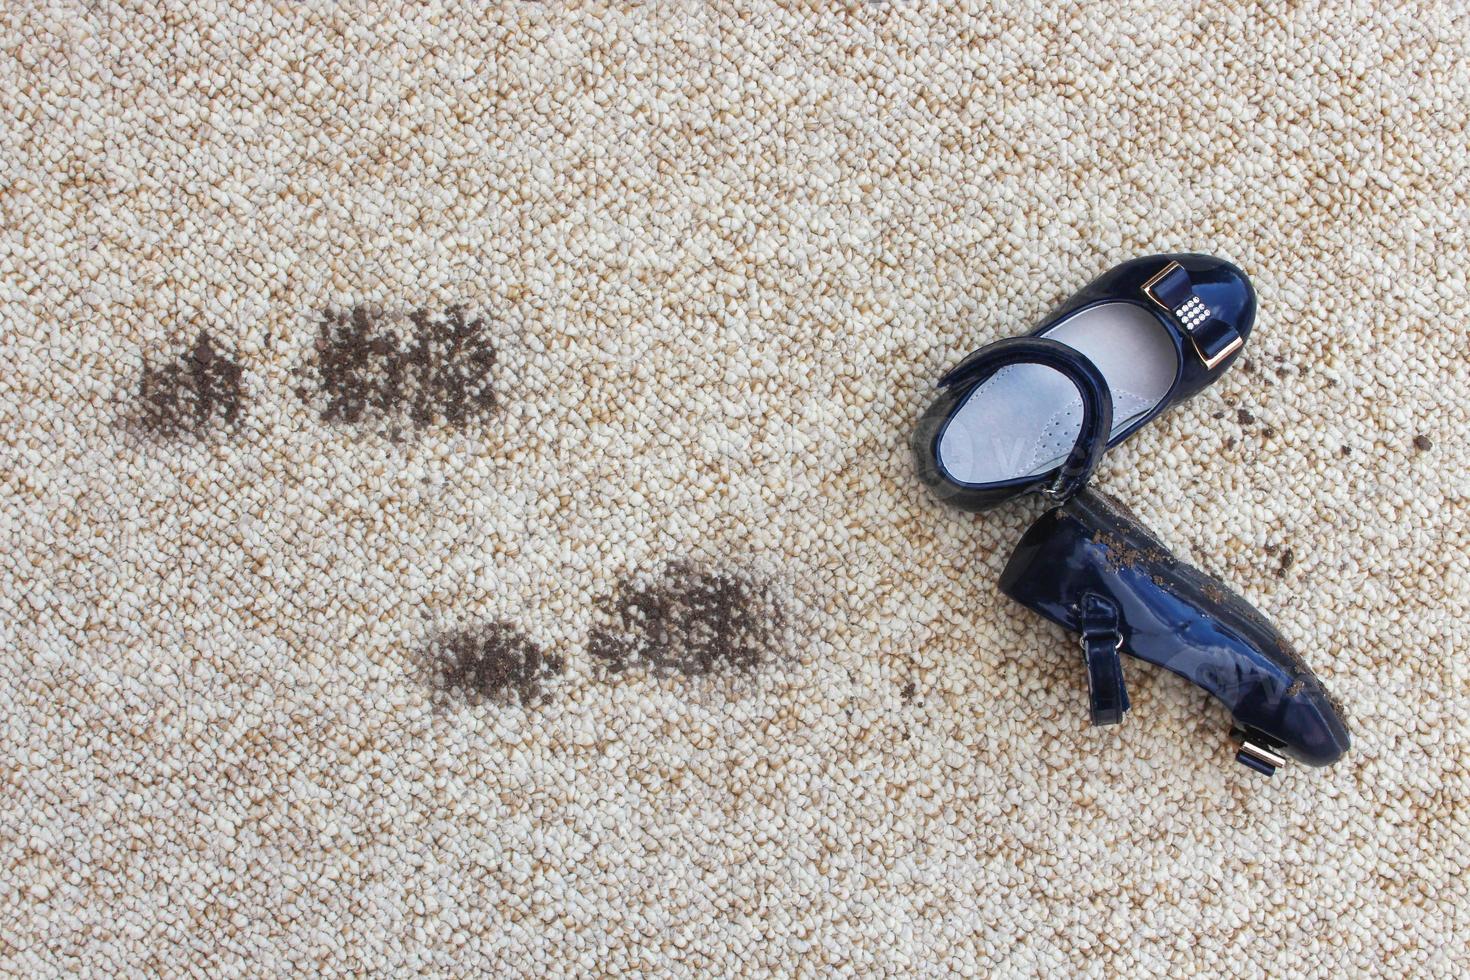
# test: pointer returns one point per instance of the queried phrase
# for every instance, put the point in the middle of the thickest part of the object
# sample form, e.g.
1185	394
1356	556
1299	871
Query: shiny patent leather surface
1219	284
1173	615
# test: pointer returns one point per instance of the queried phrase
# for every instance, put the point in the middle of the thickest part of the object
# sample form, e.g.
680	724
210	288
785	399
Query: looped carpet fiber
457	514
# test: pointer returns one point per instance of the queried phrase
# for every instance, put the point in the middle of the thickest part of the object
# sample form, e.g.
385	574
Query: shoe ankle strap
1097	401
1102	640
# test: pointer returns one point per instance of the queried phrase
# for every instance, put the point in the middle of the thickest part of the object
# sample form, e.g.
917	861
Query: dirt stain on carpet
496	663
419	369
191	392
692	620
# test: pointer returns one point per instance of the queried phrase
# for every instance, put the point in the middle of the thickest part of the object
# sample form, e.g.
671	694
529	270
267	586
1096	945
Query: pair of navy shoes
1036	414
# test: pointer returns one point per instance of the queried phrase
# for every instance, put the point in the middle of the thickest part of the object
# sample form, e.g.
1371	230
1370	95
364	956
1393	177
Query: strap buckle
1056	489
1213	339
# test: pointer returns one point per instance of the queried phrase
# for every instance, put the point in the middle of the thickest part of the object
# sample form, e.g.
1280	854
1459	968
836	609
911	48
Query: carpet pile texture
457	512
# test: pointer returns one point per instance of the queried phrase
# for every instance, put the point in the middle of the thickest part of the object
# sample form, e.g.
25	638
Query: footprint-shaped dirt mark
691	620
420	368
496	663
191	392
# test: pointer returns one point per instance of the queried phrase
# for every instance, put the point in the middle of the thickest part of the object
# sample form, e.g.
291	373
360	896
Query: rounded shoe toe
1319	735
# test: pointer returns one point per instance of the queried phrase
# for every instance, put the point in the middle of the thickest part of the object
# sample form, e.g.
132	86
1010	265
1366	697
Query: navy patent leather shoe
1021	416
1090	566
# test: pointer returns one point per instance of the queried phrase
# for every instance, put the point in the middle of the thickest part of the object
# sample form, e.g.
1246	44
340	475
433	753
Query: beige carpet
457	513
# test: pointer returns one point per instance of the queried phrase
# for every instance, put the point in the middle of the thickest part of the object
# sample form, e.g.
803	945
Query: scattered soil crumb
495	663
908	691
193	392
1288	558
692	620
1346	450
1123	555
1423	443
1244	417
421	369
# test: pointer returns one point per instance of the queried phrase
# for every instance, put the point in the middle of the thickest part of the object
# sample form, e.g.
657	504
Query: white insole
1023	420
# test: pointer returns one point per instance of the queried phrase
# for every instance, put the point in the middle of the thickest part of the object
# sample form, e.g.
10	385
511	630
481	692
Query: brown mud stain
495	663
1121	554
420	369
191	393
693	620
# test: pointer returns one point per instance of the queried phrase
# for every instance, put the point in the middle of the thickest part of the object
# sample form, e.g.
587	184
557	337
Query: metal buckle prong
1054	489
1083	641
